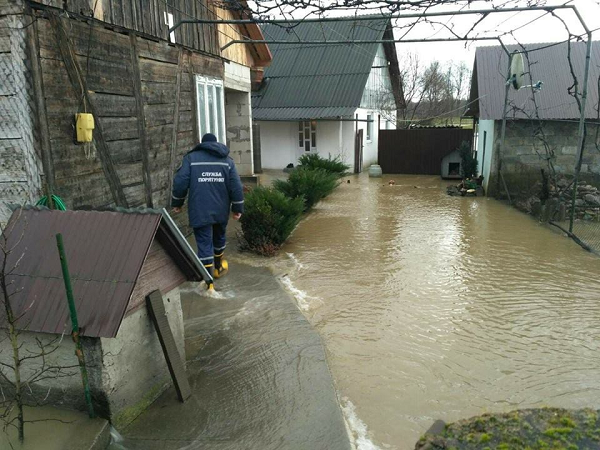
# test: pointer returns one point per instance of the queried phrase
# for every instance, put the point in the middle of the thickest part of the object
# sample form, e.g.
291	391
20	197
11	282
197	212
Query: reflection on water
433	306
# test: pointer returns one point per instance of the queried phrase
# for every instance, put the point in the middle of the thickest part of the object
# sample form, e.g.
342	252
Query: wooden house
116	259
151	94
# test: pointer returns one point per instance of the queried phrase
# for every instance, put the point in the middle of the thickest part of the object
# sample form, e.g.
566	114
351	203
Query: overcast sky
545	29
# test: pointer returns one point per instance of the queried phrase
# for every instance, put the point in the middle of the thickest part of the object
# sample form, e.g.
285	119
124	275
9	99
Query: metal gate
419	151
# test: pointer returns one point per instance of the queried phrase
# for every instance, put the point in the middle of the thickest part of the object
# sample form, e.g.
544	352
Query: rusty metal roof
548	64
105	251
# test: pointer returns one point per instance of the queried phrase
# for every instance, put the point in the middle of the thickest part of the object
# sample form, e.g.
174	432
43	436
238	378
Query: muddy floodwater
433	306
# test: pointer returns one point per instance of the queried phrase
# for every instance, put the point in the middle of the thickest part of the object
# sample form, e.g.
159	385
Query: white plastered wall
280	143
485	149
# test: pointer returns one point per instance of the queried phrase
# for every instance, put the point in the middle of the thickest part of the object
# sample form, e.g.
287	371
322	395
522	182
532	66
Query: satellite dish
517	70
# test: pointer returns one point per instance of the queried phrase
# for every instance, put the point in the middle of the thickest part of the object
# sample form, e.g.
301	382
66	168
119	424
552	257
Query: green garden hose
58	203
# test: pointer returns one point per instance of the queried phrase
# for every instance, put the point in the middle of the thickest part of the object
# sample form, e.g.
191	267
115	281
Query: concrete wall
453	157
61	386
20	165
485	149
126	373
134	372
525	153
238	116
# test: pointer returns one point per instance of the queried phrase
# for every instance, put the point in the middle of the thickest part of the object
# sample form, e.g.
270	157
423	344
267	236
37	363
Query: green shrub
310	184
269	218
314	161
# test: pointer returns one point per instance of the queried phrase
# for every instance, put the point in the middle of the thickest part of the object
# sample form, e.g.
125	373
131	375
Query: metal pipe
75	324
331	119
503	136
353	42
369	17
581	141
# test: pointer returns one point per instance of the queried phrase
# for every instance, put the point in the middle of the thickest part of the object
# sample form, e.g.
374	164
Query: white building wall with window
211	106
280	141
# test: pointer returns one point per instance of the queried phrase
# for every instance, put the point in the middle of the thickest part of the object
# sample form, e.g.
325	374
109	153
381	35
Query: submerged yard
437	307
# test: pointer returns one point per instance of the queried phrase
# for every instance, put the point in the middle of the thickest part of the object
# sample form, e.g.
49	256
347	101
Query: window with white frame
307	135
369	126
211	107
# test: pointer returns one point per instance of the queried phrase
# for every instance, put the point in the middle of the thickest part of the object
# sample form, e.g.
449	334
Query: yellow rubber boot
210	269
221	271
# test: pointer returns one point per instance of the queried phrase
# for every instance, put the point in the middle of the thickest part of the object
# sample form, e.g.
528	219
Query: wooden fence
418	151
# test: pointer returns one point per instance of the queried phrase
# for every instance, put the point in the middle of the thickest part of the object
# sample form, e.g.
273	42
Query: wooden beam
141	119
156	308
192	81
40	103
80	86
175	127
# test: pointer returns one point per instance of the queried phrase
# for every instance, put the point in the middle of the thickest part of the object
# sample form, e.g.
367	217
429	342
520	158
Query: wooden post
156	308
141	119
175	127
75	333
42	119
192	81
80	86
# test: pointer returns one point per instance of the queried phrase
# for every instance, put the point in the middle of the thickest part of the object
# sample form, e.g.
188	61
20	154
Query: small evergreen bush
314	161
309	184
269	218
468	163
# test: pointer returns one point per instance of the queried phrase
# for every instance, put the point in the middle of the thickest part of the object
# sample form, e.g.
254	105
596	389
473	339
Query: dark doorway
358	151
453	169
256	148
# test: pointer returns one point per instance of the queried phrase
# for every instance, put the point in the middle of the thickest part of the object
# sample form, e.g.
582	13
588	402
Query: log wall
147	17
131	84
20	169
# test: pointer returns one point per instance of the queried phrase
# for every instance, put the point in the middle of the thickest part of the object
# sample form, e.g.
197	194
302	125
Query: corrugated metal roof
105	251
316	79
549	65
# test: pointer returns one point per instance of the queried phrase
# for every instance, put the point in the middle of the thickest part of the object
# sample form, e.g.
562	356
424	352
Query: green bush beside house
309	184
331	165
271	214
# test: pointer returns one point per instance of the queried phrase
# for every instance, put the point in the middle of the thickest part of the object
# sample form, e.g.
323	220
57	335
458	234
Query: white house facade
334	107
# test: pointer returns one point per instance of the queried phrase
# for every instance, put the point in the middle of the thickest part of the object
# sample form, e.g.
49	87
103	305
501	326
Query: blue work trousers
211	242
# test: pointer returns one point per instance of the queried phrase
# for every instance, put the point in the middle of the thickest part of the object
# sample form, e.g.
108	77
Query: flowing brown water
433	306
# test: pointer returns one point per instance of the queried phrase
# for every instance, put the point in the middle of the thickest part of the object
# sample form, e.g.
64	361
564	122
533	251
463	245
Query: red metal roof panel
105	251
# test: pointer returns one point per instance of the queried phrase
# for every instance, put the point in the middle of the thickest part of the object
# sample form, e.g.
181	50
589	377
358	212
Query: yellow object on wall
84	124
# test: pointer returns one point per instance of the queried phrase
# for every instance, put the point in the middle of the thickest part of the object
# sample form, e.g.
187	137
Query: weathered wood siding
19	168
159	272
131	83
239	53
147	17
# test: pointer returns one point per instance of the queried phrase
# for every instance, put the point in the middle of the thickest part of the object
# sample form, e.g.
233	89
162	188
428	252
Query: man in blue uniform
215	188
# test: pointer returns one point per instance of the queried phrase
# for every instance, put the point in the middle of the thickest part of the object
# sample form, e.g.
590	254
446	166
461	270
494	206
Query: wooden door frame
358	151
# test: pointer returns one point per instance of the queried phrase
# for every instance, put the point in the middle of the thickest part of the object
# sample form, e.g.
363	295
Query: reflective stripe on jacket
209	177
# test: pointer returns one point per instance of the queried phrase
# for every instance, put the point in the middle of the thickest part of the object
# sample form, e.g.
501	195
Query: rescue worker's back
213	183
